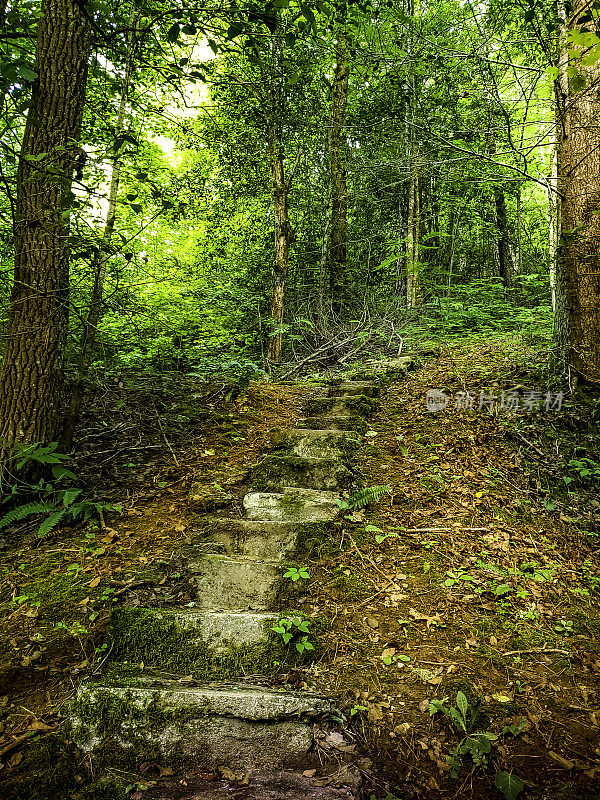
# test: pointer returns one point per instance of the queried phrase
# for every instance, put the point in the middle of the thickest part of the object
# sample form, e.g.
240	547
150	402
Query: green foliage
54	503
464	719
296	574
362	497
294	629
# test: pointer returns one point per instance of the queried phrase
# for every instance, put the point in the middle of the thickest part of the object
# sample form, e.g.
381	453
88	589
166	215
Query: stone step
245	726
347	422
136	632
347	388
292	505
352	405
278	470
392	366
310	443
231	584
272	540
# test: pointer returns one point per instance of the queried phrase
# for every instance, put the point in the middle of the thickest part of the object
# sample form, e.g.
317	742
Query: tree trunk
505	266
339	184
579	187
282	251
90	325
32	366
413	290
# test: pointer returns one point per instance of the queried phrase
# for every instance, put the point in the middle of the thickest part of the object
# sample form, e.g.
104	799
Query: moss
145	636
277	471
358	403
350	587
48	770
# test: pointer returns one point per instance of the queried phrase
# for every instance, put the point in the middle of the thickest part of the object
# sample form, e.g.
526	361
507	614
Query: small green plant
362	497
564	627
357	709
585	468
463	717
455	578
290	628
297	573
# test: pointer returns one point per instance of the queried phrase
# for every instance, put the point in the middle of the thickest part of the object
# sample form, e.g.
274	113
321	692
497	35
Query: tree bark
32	366
282	251
337	166
413	289
505	265
579	188
90	325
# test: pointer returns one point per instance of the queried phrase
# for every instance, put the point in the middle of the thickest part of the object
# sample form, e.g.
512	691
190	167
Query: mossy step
352	405
277	471
209	631
343	422
392	366
292	505
310	443
347	388
230	584
203	725
273	540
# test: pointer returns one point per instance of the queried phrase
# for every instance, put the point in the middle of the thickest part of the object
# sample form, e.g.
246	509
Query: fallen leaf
309	773
568	765
94	583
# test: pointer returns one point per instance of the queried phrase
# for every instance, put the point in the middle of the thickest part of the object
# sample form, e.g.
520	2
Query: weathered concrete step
347	388
279	470
204	725
353	405
344	422
392	366
272	540
134	632
292	505
310	443
229	584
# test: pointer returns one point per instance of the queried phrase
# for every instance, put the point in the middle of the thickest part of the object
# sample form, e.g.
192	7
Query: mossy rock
214	645
277	471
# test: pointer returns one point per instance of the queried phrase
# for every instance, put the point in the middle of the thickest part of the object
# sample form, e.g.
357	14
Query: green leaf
501	590
510	786
173	32
462	703
50	522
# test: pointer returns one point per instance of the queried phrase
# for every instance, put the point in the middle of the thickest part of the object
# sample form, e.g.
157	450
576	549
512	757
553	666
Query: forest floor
479	573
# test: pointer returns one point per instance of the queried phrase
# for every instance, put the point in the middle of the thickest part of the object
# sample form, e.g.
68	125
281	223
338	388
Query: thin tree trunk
282	250
579	187
32	367
90	325
337	166
505	266
413	290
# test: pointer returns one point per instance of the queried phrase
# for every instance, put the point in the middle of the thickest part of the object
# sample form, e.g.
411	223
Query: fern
25	511
369	494
50	522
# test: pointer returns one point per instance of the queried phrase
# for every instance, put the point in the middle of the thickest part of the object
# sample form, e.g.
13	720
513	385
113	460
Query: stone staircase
183	686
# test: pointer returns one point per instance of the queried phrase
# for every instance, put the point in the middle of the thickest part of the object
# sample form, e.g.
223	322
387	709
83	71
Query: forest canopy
225	188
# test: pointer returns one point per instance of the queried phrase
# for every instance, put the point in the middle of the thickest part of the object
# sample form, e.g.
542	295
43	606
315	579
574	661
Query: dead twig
537	650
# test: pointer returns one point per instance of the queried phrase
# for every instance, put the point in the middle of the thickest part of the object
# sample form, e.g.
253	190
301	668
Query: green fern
369	494
25	511
50	522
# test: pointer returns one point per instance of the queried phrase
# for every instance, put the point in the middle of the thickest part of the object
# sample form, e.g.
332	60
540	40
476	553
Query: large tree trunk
579	187
32	366
337	166
99	265
282	252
